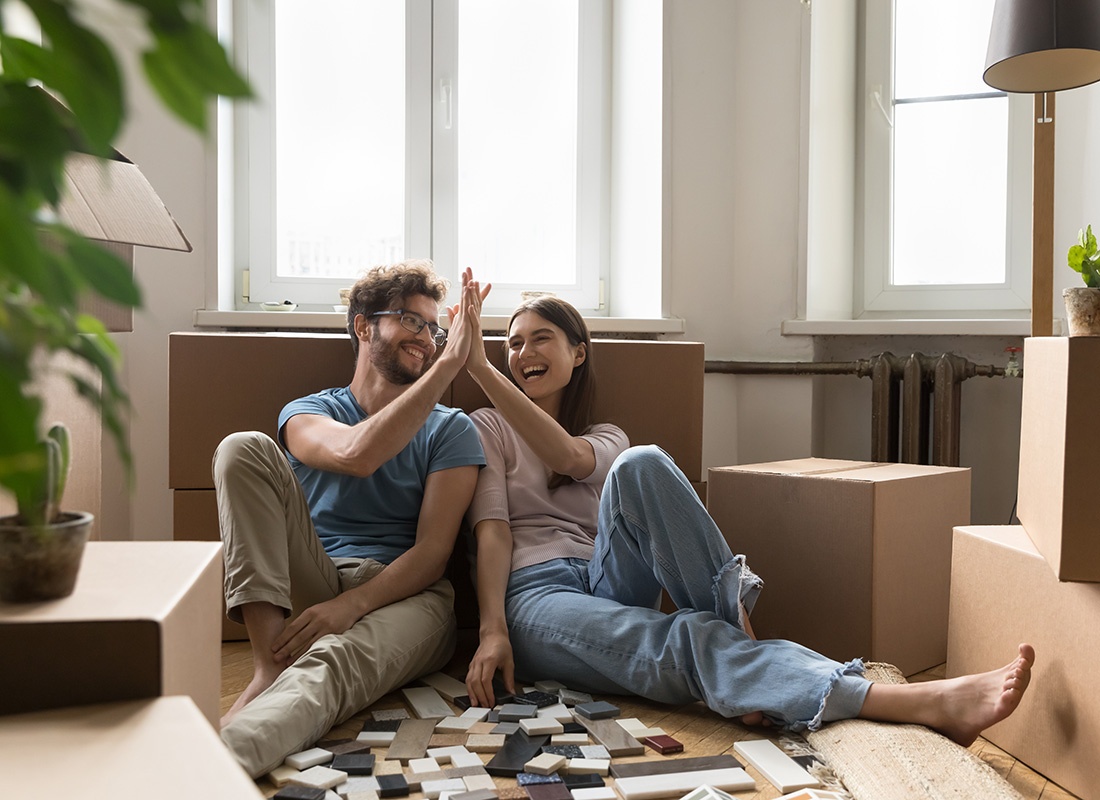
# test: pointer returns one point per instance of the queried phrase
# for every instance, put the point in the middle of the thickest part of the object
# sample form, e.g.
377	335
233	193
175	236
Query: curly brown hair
386	287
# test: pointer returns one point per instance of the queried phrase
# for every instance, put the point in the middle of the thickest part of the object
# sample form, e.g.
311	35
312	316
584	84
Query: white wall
734	93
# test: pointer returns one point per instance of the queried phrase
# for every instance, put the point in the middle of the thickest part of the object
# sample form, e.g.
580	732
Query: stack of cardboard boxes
1039	582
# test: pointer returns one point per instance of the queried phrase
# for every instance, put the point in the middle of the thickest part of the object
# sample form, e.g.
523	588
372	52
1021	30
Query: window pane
340	136
517	139
940	47
950	192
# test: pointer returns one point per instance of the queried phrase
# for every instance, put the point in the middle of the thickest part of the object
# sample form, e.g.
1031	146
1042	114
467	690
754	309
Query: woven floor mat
881	761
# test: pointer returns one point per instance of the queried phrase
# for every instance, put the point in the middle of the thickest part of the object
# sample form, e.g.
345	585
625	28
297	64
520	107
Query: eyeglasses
414	323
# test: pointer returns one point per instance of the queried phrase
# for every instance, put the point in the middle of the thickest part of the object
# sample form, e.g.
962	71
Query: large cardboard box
136	750
1003	593
143	621
1057	488
855	556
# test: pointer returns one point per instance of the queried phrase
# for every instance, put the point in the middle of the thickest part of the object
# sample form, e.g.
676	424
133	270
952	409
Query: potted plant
45	267
41	546
1083	302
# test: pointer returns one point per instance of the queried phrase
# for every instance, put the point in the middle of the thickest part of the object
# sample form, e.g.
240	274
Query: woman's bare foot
959	708
262	678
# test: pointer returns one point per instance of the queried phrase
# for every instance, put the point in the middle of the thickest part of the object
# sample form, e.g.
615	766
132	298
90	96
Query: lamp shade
1043	45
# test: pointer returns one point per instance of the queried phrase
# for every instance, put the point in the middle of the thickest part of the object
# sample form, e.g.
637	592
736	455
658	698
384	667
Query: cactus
43	505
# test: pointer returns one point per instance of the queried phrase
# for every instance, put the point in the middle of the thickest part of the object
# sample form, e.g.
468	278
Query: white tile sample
779	769
426	702
646	787
558	711
432	789
455	724
308	758
570	738
466	759
595	751
475	713
423	765
376	738
444	754
588	766
545	764
541	726
550	687
485	743
595	793
281	774
321	777
446	685
475	782
638	729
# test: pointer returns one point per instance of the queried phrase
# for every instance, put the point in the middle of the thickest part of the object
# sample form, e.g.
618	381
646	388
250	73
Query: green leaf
177	91
33	143
103	271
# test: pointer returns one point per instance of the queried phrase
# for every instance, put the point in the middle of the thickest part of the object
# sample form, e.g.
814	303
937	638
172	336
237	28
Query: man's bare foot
756	719
261	679
959	708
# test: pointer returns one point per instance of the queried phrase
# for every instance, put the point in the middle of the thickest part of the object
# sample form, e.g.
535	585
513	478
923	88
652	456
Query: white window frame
430	158
875	296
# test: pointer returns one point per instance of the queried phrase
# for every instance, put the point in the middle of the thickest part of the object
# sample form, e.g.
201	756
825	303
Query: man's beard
385	356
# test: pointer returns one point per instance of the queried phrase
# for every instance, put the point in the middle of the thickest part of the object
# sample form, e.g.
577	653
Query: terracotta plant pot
1082	310
41	563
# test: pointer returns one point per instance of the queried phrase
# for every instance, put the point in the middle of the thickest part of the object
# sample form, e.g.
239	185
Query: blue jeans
595	625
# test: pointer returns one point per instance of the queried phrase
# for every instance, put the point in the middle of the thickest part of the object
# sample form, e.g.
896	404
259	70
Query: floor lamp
1041	47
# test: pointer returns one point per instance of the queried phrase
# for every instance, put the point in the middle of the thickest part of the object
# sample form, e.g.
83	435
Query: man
352	527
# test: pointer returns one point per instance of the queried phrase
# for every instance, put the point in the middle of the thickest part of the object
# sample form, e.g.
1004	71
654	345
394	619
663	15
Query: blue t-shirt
375	517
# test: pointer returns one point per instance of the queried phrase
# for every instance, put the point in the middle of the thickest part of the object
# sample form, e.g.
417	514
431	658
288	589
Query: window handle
876	95
446	97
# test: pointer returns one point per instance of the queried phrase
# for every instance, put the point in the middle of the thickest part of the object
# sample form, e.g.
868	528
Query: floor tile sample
482	728
464	772
584	780
356	796
663	744
567	750
426	702
358	783
376	738
812	794
347	748
514	712
308	758
455	724
462	701
541	725
293	792
444	754
321	777
390	714
537	698
548	791
467	759
506	728
421	765
595	766
596	793
518	750
595	751
665	765
417	779
476	794
476	782
392	786
447	740
638	729
706	793
485	743
617	741
553	687
390	725
282	774
558	711
354	763
475	713
569	738
775	765
545	764
574	726
411	740
571	698
383	767
673	784
598	709
512	793
528	778
444	684
432	789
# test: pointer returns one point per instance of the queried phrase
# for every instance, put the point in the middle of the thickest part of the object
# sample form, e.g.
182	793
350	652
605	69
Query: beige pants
272	554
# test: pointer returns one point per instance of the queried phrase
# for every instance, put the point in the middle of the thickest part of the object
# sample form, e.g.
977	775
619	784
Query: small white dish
286	305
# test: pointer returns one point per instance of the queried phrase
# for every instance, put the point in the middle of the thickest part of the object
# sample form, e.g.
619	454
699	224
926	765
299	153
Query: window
945	199
473	132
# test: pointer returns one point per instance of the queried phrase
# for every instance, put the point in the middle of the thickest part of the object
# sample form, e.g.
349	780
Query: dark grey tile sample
493	716
463	702
354	763
507	728
612	736
667	766
411	740
344	748
598	709
587	780
500	693
300	793
548	791
386	725
567	750
519	748
573	727
529	778
392	786
514	712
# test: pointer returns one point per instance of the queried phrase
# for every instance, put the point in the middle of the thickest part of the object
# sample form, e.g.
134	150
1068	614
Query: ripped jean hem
735	574
844	695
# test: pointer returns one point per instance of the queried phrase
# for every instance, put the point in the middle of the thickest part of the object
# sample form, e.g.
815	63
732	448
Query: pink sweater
545	524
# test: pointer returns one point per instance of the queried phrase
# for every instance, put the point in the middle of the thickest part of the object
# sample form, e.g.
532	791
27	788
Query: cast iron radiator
916	400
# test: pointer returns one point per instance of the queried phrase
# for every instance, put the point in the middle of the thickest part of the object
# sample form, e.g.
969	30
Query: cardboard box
142	622
108	200
1003	593
1057	499
161	748
855	556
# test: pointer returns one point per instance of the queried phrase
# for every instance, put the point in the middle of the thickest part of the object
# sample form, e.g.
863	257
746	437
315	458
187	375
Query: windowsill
911	327
336	321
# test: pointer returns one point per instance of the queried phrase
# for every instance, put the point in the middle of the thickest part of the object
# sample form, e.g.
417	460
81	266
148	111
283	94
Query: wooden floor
700	730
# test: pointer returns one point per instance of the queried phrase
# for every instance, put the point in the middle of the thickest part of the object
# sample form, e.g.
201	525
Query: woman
577	535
